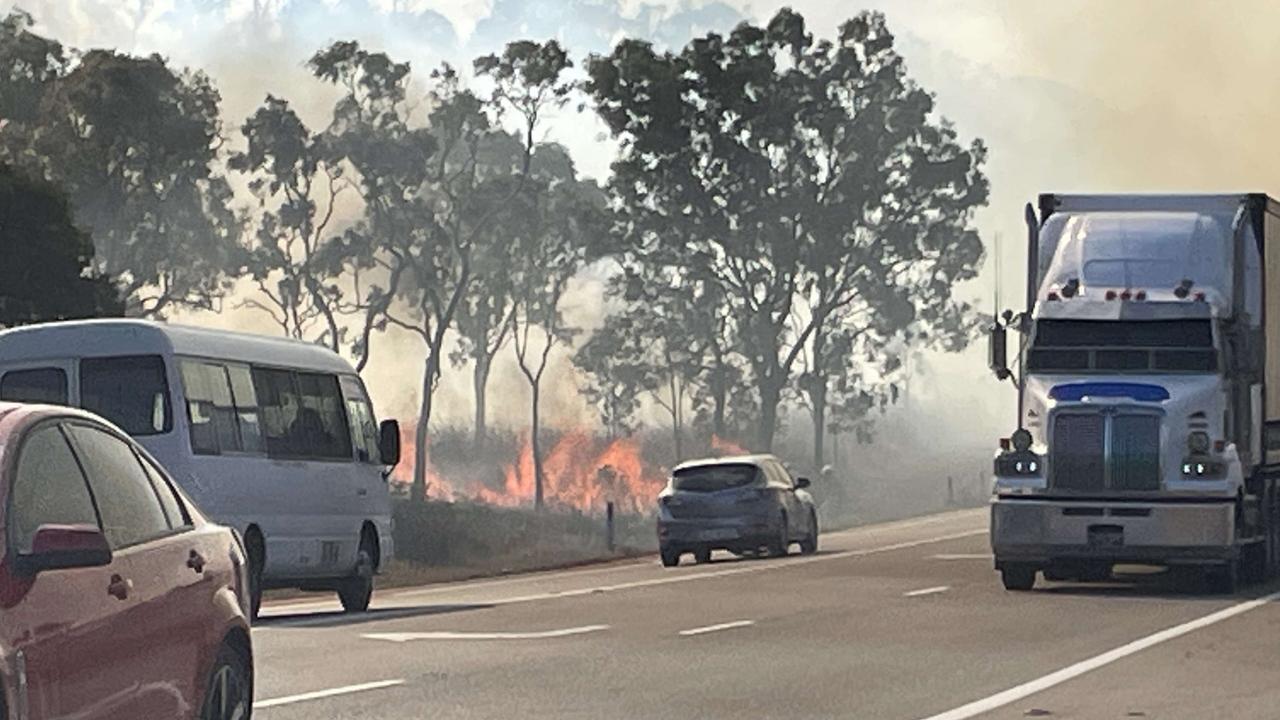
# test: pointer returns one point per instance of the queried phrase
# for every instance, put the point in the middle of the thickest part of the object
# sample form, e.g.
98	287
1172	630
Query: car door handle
119	587
195	561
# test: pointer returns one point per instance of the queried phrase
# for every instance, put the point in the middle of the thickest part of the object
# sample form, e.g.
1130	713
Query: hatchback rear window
709	478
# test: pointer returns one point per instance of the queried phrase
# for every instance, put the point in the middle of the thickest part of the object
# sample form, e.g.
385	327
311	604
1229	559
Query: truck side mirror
998	350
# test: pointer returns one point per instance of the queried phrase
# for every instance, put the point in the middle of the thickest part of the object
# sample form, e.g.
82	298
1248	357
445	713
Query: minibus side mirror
389	442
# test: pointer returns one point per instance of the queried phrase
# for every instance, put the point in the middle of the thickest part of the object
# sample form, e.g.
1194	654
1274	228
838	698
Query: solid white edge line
928	591
321	694
286	607
1070	672
714	628
962	556
403	637
667	580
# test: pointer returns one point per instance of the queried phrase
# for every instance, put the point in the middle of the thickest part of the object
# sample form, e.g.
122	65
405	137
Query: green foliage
807	181
134	143
47	271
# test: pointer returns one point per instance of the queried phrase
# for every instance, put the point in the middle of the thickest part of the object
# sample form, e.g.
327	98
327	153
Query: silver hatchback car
742	504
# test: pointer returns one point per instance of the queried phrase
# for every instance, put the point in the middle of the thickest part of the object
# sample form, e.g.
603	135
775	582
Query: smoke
1079	95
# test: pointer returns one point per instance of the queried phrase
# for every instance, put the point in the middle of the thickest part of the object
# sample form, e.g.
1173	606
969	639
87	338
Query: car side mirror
802	483
61	547
998	350
389	442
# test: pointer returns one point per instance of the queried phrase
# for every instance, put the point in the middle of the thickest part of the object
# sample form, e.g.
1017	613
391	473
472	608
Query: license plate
719	534
1106	536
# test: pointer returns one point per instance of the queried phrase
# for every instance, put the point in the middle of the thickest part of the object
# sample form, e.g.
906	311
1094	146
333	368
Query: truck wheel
1018	577
1225	579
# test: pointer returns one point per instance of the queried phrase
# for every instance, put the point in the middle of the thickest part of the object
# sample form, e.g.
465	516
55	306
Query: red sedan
118	598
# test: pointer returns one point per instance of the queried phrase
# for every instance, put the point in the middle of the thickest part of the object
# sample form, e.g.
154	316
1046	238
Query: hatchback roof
754	459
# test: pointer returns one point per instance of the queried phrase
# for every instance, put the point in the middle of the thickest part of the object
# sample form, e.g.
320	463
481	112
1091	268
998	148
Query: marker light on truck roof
1200	296
1111	294
1140	295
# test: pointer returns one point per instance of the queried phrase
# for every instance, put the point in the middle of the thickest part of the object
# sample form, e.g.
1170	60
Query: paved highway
902	621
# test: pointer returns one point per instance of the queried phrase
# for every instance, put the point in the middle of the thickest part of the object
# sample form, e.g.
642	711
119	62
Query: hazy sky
1085	95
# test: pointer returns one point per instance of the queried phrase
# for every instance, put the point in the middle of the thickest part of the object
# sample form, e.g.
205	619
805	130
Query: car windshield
710	478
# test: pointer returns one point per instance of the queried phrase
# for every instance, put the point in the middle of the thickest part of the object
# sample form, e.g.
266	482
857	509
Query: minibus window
131	392
302	415
210	410
37	385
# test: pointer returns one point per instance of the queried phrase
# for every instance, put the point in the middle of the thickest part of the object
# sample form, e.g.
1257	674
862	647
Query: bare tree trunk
536	447
819	400
480	382
770	398
418	491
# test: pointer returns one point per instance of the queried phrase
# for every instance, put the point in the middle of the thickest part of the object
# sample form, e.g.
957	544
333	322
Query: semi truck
1147	372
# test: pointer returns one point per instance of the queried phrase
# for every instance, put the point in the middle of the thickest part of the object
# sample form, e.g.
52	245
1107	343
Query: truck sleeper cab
1144	396
272	437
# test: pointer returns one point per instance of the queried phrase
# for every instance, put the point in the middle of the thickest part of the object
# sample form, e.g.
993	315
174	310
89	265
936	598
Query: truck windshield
1110	346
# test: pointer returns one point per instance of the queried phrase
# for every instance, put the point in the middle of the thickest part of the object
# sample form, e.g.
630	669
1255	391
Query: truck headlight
1019	464
1203	469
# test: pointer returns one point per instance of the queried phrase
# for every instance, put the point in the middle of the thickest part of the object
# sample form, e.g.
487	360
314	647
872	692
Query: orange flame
579	471
402	474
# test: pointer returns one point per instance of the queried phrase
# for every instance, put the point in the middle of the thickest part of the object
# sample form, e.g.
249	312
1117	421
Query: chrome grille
1077	456
1105	451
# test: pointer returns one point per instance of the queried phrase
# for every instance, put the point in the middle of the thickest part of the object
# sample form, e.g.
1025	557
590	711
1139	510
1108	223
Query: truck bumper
1043	531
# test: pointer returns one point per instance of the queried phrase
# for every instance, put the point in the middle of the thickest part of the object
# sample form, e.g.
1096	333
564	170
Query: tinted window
217	423
709	478
130	510
38	385
364	429
173	509
1125	334
48	488
302	414
129	391
1113	345
246	400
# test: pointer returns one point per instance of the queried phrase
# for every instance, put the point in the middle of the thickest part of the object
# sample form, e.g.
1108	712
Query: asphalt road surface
902	621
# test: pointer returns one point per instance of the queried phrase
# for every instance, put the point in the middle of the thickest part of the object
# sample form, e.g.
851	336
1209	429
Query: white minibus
275	438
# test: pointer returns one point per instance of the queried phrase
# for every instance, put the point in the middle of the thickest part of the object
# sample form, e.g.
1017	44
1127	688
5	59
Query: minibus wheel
356	591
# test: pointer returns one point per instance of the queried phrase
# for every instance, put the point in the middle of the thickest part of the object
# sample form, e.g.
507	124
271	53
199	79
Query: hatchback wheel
670	558
229	695
809	545
702	557
782	544
356	591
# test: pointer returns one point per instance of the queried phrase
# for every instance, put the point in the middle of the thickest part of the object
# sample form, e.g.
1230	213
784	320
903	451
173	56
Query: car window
36	385
364	428
127	502
48	488
131	392
174	511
